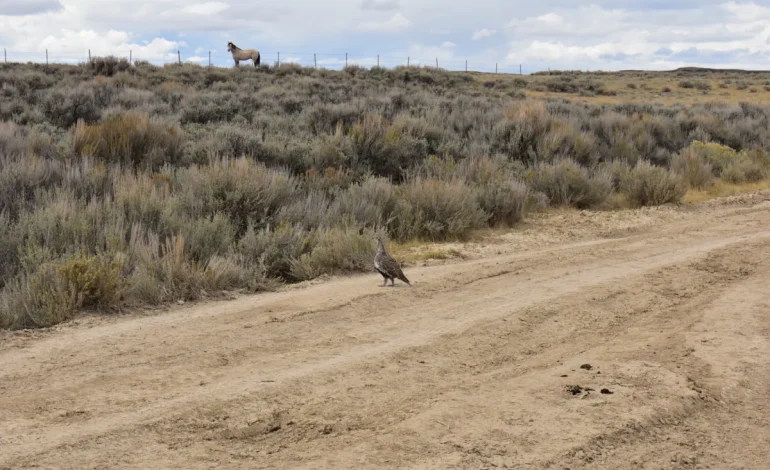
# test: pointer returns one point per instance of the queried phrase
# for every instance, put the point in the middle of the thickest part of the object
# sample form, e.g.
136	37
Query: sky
538	35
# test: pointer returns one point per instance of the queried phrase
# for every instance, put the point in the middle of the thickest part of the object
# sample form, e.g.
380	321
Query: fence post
130	57
519	69
495	67
466	66
407	61
89	56
179	56
46	57
436	63
209	59
315	60
279	59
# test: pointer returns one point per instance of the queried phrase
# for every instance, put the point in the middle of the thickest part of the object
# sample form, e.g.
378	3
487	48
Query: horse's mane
234	46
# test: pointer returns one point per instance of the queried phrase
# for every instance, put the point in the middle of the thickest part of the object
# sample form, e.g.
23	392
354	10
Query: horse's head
231	47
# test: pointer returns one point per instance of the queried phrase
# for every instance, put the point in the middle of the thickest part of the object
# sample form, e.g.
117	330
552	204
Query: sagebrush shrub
13	139
567	183
383	148
129	138
731	165
504	200
65	107
22	177
275	249
97	281
244	190
309	212
693	168
107	66
37	300
207	237
371	203
438	209
337	250
650	185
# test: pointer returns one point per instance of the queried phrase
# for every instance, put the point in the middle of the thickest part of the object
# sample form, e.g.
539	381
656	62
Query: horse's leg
236	62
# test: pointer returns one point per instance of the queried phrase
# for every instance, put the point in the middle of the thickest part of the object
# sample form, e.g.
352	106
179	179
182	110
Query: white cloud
426	54
207	9
483	33
379	4
395	24
72	45
581	21
592	37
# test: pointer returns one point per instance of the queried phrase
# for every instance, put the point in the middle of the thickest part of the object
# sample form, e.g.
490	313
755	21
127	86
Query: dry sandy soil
470	368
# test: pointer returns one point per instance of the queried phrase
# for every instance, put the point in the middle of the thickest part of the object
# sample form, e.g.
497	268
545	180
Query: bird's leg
384	281
392	282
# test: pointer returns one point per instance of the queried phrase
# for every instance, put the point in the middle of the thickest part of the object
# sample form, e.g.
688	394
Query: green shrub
733	166
336	251
274	250
649	185
437	210
701	85
693	168
129	138
65	107
568	184
22	177
618	170
10	243
383	148
97	281
371	203
165	272
107	66
37	300
207	237
13	140
240	188
207	107
309	212
505	201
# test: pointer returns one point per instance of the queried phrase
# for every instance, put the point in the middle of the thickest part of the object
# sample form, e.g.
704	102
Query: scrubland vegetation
139	185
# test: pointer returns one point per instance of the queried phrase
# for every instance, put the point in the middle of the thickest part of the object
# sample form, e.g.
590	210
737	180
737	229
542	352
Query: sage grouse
387	266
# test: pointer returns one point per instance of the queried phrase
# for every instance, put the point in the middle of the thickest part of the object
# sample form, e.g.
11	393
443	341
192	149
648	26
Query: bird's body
387	266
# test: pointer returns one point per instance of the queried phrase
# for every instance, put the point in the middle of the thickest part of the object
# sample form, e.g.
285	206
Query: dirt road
658	320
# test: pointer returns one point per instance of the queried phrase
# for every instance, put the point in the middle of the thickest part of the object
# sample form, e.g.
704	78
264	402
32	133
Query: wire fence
331	61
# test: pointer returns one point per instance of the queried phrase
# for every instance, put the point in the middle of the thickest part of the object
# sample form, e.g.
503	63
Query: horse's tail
256	60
